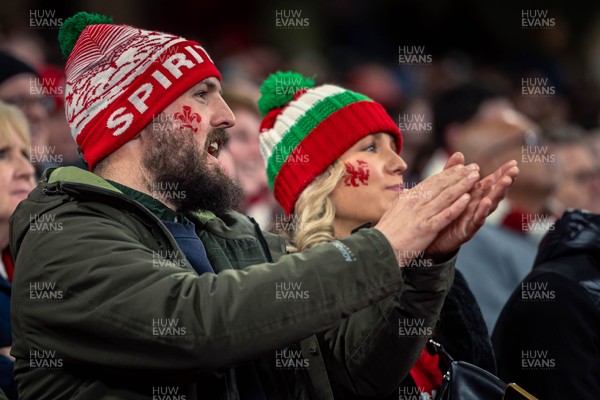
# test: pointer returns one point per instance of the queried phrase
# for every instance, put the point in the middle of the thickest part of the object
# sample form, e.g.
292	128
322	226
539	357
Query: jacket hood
47	196
575	232
60	185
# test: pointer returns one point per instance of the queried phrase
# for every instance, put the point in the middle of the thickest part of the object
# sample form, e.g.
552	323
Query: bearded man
135	280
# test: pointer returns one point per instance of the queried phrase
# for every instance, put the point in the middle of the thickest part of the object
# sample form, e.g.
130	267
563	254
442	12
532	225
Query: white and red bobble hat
120	77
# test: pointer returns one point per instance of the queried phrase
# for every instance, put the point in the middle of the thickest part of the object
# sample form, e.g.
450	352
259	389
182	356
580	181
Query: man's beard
179	172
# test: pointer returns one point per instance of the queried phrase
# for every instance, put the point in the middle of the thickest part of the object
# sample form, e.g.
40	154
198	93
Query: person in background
577	174
509	133
16	181
21	85
547	335
455	107
500	254
62	150
333	161
593	142
243	146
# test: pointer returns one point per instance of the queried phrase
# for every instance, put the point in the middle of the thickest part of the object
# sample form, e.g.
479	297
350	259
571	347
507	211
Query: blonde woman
333	163
16	181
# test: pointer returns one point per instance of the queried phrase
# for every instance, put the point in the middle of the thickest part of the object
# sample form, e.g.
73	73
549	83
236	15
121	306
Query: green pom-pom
279	89
73	26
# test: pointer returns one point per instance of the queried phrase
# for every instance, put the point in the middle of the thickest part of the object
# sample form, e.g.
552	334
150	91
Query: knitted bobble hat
120	77
306	128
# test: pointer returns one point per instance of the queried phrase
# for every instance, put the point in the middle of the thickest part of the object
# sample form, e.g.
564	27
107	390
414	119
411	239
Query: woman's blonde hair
13	120
314	210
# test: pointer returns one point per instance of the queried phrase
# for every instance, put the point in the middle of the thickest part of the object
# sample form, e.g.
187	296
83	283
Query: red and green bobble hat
120	77
306	128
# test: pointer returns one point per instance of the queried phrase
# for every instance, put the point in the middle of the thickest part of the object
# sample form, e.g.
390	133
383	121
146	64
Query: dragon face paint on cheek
189	119
356	174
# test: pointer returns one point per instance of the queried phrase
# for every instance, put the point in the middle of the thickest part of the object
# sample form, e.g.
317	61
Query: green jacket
105	305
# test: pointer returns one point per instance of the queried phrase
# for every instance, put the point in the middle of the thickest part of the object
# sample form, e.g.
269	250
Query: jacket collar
81	176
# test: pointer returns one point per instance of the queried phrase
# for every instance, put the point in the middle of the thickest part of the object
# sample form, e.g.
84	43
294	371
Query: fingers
455	159
499	189
507	166
488	183
486	195
439	182
484	208
449	214
451	184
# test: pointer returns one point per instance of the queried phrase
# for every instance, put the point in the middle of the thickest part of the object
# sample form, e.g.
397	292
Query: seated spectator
20	85
593	141
249	167
16	181
455	107
547	336
333	161
500	254
576	173
62	150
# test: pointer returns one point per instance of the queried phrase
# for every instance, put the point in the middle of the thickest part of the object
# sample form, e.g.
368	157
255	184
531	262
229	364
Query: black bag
465	381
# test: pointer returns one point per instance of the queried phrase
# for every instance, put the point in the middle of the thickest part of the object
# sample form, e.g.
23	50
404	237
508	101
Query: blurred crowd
549	122
547	117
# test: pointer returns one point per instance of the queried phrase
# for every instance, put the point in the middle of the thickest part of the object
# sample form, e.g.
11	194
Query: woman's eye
370	148
201	94
4	153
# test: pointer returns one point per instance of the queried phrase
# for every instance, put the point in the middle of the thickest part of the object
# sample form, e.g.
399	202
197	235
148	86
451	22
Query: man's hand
485	197
418	215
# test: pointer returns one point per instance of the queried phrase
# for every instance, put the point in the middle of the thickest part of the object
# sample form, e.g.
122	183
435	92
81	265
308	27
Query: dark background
475	35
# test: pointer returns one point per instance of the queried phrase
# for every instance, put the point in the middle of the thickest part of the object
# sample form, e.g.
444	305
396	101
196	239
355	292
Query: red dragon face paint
356	175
